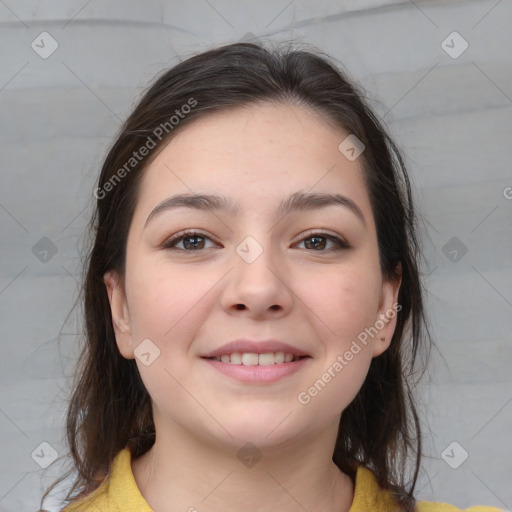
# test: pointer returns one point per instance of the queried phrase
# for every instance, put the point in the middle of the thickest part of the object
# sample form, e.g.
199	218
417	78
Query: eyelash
171	242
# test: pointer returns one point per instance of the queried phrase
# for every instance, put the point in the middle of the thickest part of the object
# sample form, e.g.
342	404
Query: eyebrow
298	201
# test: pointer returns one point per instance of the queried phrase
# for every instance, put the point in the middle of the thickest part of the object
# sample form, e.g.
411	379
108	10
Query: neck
183	473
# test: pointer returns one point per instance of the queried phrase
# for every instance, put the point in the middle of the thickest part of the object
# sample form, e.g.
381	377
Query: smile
253	359
252	367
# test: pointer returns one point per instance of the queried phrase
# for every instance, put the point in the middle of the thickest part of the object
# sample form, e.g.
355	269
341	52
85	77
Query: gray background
452	117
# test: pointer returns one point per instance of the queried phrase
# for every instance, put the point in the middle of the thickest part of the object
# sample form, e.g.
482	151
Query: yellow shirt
122	495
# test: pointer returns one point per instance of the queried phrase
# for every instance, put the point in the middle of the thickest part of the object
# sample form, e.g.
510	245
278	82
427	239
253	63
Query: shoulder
427	506
369	496
117	493
97	500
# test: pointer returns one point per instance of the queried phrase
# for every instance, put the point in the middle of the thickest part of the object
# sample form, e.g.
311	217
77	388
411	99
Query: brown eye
192	241
319	241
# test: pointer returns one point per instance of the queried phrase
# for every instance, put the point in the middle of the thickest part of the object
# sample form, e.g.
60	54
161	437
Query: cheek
166	306
345	300
344	303
164	299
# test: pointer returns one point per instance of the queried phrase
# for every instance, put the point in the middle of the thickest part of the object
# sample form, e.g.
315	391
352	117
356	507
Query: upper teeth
252	359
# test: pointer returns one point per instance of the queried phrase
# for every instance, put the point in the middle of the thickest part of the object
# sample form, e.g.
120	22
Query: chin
264	429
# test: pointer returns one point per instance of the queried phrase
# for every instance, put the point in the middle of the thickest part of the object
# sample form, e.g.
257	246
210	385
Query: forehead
259	130
254	154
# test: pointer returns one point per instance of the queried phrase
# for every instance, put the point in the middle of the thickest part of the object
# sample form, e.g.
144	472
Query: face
307	276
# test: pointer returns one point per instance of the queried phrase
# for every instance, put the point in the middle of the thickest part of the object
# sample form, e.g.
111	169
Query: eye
318	242
192	241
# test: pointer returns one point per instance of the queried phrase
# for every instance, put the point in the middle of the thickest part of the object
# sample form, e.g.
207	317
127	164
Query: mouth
255	359
251	367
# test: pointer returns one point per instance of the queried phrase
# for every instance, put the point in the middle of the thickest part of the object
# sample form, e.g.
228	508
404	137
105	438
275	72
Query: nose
259	289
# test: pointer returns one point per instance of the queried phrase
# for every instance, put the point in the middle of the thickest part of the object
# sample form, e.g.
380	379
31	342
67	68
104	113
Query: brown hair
110	407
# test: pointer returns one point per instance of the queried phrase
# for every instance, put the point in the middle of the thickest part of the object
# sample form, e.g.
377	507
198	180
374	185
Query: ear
120	313
385	321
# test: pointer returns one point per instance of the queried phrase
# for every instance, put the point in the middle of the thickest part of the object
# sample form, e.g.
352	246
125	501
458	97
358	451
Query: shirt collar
368	495
122	490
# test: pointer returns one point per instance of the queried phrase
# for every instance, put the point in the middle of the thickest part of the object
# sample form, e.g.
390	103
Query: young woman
253	305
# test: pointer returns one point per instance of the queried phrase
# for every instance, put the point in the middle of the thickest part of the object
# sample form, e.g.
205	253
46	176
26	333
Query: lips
255	347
